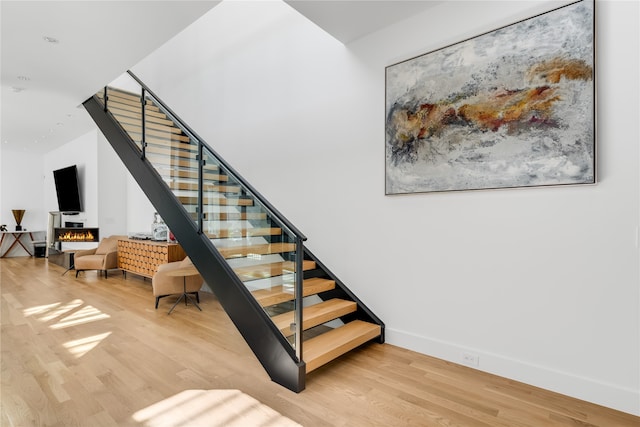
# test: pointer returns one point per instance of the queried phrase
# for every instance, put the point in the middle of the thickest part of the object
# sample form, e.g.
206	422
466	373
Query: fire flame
76	236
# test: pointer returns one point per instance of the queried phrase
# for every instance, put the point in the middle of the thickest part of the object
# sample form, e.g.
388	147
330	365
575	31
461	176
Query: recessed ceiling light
17	89
51	39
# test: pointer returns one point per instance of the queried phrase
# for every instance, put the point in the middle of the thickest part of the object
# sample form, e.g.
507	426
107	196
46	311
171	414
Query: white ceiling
44	84
348	20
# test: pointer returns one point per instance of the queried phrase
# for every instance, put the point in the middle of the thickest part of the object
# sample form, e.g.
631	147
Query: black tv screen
67	189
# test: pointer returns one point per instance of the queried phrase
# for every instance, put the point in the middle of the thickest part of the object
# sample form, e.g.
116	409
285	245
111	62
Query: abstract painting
514	107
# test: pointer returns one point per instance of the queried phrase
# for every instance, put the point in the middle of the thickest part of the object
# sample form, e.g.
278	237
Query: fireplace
75	234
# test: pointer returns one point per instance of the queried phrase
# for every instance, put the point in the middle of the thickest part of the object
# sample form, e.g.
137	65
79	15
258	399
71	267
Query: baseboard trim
587	389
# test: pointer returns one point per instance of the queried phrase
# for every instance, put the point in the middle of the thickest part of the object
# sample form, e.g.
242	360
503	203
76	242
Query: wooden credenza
143	257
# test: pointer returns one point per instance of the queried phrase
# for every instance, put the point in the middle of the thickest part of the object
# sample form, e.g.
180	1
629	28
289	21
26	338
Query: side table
184	273
23	239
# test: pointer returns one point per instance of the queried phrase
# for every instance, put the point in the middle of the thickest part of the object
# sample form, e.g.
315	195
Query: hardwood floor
94	352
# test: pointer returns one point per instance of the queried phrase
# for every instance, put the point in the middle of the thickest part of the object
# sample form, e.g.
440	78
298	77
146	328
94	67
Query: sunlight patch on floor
67	315
212	408
82	346
84	315
39	309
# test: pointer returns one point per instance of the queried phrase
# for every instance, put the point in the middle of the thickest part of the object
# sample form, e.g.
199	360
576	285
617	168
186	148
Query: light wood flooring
94	352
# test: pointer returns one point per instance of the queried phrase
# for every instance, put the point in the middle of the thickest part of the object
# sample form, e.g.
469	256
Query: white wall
112	190
21	188
139	208
541	283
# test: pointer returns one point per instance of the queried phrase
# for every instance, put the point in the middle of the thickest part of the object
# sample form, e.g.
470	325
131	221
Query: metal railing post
144	139
105	97
298	289
200	187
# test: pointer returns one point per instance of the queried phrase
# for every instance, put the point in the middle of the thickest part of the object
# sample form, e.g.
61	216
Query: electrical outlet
470	359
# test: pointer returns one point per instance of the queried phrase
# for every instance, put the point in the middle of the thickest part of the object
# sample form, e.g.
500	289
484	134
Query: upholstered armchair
102	258
164	285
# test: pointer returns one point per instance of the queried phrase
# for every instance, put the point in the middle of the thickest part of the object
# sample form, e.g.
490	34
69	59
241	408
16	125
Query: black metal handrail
272	210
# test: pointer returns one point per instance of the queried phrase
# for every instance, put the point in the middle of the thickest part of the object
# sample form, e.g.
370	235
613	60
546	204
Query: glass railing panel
123	101
260	250
173	153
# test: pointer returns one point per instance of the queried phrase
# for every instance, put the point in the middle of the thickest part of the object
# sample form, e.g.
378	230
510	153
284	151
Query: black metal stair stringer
268	344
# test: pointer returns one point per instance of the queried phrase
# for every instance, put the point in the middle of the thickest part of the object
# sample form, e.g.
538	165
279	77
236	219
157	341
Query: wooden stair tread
117	93
229	216
173	148
137	116
278	294
160	135
169	127
263	249
264	271
164	146
193	174
191	186
226	233
159	159
330	345
233	201
127	98
315	315
119	106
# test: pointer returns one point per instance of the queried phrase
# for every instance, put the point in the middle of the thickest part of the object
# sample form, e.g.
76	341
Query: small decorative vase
18	214
158	228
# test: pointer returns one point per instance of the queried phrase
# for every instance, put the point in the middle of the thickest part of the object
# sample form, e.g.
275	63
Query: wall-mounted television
68	190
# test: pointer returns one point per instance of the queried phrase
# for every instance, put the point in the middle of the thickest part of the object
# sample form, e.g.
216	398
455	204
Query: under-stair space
284	301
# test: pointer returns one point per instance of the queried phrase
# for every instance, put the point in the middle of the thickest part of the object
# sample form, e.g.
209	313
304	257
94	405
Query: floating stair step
175	150
161	135
229	216
158	138
173	154
118	106
165	144
121	94
132	121
118	92
135	102
279	294
193	174
233	201
315	315
263	271
160	119
324	348
263	249
226	233
126	98
189	186
162	160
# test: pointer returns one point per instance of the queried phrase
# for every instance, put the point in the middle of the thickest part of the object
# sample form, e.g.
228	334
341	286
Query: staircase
293	312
